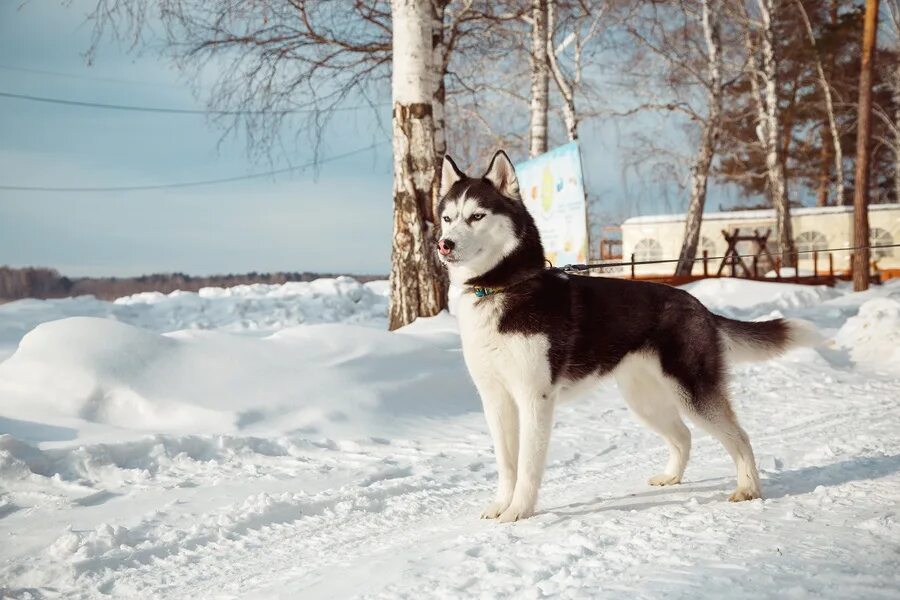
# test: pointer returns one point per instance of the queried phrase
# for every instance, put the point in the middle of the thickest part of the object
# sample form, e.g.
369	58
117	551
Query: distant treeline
37	282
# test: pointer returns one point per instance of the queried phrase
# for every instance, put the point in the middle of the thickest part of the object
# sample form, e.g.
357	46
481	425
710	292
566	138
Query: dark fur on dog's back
583	319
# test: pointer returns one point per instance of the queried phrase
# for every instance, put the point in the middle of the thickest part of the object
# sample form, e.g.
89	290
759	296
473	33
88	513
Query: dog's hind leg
503	422
654	400
714	414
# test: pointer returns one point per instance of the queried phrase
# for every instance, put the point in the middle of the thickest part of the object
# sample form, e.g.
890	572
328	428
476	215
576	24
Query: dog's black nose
446	246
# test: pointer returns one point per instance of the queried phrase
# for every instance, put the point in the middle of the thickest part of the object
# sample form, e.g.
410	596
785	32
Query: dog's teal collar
481	292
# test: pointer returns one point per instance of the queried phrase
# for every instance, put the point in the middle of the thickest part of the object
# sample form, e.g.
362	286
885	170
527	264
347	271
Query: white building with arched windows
816	228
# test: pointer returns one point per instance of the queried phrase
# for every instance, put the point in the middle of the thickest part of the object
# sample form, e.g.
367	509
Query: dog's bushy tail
749	341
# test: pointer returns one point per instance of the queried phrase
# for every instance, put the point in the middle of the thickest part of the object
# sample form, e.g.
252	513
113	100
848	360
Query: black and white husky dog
532	336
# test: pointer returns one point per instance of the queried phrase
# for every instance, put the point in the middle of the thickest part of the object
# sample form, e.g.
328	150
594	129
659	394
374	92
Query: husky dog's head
485	229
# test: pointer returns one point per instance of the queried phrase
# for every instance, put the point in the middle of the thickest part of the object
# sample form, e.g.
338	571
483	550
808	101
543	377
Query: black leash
588	267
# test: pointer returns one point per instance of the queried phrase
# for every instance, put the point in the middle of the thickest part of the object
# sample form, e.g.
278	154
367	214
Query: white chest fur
513	360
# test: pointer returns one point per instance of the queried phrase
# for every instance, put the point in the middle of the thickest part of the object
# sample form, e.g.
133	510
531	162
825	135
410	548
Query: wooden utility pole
863	145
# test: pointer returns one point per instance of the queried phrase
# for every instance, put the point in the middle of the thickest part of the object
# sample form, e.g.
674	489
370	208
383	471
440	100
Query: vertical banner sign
552	188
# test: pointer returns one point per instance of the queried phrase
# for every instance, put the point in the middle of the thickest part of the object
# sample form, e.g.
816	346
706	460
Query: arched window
809	241
647	249
706	244
881	237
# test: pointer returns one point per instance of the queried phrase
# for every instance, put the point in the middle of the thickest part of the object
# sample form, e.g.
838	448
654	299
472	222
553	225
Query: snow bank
873	335
256	309
731	295
330	379
127	374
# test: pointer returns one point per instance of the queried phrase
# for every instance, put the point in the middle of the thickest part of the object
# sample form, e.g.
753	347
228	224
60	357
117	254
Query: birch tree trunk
441	48
895	83
863	147
893	10
772	128
824	168
540	79
708	139
829	111
896	131
416	288
566	89
438	67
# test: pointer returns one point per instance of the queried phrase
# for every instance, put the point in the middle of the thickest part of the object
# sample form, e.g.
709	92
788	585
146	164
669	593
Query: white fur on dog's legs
503	421
653	399
720	421
535	423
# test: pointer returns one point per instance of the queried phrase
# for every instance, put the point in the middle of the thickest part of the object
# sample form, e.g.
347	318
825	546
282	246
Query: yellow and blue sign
552	187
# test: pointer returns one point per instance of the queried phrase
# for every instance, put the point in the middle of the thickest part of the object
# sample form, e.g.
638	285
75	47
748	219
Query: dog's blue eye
477	216
446	219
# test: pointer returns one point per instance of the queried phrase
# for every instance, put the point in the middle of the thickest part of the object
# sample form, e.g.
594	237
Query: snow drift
873	335
730	296
327	380
253	309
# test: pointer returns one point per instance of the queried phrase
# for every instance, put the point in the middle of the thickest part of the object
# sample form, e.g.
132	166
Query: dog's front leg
503	422
535	423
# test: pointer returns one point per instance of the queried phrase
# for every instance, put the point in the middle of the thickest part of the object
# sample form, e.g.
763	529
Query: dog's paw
516	512
741	494
664	479
494	509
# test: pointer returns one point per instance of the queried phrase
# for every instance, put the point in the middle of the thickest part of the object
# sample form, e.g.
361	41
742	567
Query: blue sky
338	219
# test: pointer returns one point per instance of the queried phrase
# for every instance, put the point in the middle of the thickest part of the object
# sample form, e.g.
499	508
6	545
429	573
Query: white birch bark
438	66
895	83
894	126
771	130
893	7
416	288
566	89
708	138
540	79
829	108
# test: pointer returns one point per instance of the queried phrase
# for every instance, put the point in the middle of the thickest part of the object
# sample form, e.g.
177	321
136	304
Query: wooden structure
610	242
734	258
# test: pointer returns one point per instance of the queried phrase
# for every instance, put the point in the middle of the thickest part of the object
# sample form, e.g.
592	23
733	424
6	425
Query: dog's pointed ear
502	176
450	174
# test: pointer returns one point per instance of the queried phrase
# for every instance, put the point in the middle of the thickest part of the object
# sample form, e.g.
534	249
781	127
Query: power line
178	111
84	77
184	184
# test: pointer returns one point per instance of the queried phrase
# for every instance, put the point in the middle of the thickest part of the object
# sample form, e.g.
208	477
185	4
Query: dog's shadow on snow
633	502
807	479
775	486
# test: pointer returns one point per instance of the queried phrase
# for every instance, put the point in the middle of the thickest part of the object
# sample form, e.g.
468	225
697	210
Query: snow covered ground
275	441
258	308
